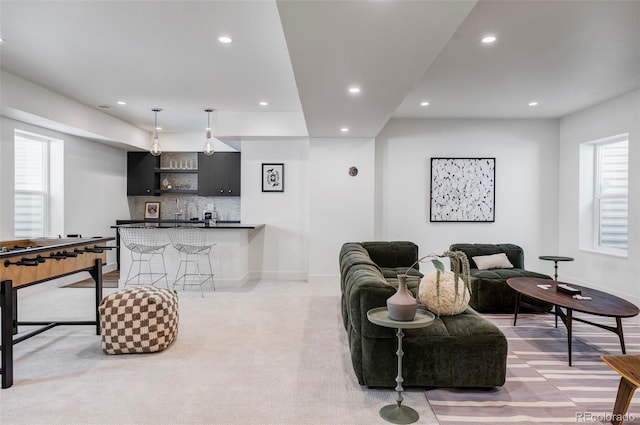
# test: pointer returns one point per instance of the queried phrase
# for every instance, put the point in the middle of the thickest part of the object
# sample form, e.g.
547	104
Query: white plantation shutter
31	185
611	194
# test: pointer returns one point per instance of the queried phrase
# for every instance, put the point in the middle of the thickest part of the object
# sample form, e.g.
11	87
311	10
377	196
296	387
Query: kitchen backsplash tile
190	206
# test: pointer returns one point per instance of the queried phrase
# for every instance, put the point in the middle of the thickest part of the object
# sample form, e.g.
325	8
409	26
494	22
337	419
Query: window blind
31	186
612	194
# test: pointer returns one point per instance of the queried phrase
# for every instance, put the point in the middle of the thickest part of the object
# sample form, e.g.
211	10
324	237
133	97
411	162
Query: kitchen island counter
167	224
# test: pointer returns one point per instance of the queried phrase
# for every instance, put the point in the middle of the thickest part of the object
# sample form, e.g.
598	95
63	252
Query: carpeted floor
268	353
541	387
277	353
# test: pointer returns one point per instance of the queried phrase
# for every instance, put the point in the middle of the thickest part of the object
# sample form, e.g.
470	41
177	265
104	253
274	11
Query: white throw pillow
495	261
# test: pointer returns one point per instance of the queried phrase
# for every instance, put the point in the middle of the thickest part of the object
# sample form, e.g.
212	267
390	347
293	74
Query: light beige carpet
268	353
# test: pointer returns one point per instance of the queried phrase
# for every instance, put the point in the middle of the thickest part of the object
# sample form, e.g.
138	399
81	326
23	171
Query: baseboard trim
283	276
323	278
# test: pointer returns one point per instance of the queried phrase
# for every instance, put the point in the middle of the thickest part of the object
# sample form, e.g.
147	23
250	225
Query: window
611	193
31	185
604	195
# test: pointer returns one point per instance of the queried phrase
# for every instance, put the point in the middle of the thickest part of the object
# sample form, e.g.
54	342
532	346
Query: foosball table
28	262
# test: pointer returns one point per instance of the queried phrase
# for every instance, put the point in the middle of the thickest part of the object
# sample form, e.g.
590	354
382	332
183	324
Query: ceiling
301	57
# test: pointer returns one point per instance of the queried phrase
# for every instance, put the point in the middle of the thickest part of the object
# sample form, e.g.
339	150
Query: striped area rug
541	387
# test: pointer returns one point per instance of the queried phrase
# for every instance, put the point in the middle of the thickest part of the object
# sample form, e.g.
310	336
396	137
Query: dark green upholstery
489	290
455	351
393	254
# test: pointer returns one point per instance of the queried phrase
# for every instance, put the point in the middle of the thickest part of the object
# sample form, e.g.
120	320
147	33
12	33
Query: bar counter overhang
238	245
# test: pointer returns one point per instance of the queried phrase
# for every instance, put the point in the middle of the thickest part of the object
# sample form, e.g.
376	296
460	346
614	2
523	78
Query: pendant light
208	144
155	148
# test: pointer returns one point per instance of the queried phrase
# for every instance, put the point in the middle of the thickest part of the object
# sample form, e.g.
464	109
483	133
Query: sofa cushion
353	258
351	247
353	254
434	354
365	288
504	274
514	252
393	254
494	261
491	294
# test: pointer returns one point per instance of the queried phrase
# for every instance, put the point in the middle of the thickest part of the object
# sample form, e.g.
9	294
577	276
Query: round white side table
399	413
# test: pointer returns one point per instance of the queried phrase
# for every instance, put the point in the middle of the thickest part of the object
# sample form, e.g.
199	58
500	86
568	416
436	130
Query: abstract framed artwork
273	177
463	189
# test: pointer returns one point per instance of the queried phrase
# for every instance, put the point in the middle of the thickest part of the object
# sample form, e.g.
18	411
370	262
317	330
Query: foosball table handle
31	262
98	249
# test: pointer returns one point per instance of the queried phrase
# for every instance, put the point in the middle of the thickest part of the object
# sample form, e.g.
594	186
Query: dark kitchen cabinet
142	180
219	174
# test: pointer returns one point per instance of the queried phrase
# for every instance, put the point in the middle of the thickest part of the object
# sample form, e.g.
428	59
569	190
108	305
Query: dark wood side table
399	413
555	260
629	369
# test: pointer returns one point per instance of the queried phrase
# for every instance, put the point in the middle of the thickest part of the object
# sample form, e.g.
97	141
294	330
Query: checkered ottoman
139	320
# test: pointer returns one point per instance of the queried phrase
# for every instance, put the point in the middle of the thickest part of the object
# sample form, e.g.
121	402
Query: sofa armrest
365	296
370	295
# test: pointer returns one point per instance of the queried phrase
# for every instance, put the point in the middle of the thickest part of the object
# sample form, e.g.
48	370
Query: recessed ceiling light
225	39
354	90
488	39
533	103
425	103
158	128
122	102
263	103
345	129
1	39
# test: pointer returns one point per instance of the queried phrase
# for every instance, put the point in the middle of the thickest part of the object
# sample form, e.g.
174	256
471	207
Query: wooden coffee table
600	304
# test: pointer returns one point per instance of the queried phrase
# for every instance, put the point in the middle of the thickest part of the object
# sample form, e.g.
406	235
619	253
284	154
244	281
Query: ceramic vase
402	305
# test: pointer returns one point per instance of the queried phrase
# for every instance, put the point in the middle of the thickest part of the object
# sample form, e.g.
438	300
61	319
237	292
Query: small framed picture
273	177
152	210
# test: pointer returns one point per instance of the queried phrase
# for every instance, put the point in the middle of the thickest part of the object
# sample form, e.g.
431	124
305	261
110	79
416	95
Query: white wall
341	206
620	276
280	249
95	183
29	103
323	207
95	187
526	183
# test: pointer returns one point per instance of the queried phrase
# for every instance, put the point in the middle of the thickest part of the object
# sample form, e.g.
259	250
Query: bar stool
143	245
192	246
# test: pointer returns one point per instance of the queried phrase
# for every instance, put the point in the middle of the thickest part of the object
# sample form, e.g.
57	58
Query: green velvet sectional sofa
489	290
464	350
